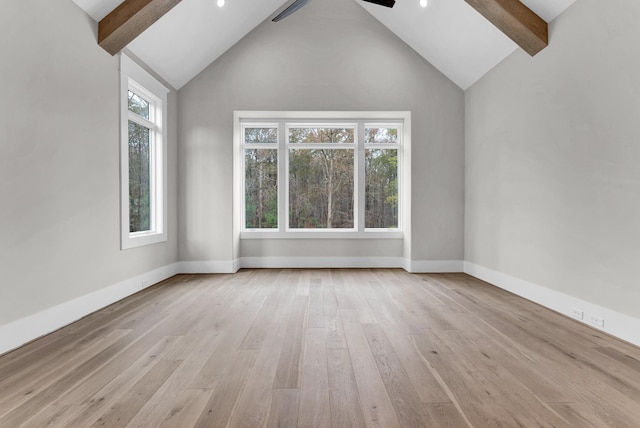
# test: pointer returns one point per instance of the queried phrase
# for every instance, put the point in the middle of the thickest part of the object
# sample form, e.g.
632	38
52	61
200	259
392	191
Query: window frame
261	146
288	146
291	119
135	79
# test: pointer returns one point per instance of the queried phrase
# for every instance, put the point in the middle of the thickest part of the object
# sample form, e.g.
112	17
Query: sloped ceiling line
449	34
129	20
132	17
516	21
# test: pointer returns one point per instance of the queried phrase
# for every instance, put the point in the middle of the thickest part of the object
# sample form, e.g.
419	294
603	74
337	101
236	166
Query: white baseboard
321	262
616	324
230	266
433	266
414	266
24	330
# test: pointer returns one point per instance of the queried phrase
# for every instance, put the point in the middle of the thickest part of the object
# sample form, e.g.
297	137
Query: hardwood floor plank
322	348
360	293
314	409
87	405
445	415
52	392
149	315
471	392
80	406
332	323
345	301
284	408
304	279
222	356
426	309
253	404
262	323
316	307
124	410
219	408
493	350
387	306
52	416
404	398
288	372
496	388
287	280
184	411
346	409
577	415
140	342
28	382
375	404
193	353
632	362
422	379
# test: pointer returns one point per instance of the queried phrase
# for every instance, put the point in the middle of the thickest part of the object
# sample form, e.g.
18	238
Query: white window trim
135	77
273	118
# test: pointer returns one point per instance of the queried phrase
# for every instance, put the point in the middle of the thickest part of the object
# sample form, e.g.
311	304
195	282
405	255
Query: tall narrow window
143	161
141	132
381	177
261	177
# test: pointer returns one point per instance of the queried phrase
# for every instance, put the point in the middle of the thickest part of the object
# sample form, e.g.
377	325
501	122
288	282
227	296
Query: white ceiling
449	34
453	36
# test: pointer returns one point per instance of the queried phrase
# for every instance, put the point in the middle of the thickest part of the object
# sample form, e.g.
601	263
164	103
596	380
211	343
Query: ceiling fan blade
387	3
292	8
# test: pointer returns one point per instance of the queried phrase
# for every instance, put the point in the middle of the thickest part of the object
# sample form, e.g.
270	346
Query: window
142	156
321	176
330	176
381	176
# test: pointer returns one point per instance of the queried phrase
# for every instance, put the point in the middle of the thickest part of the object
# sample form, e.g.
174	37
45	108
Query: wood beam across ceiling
517	21
129	20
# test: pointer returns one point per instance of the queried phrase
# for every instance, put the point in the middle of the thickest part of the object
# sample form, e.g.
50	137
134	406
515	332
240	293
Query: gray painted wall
552	159
331	55
59	162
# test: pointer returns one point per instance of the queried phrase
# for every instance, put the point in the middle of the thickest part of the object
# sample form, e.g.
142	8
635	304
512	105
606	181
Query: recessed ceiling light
423	3
220	3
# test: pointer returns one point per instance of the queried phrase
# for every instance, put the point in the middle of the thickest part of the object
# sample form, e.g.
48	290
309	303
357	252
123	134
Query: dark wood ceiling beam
129	20
517	21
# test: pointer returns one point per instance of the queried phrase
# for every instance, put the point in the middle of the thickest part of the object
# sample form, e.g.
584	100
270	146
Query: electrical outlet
577	313
597	321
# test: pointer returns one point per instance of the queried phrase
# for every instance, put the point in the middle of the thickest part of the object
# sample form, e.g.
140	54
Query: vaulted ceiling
450	34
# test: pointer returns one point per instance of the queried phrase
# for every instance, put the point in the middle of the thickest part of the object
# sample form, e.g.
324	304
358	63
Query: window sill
141	239
322	234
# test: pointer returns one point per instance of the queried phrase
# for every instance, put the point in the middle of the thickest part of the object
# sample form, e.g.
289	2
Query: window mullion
360	179
261	147
142	121
283	179
152	180
323	146
382	146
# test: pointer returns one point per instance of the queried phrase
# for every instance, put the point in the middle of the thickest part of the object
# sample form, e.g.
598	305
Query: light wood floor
322	348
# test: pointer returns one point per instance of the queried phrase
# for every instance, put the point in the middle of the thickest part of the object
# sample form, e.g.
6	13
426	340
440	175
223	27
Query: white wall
552	182
330	55
552	160
59	163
